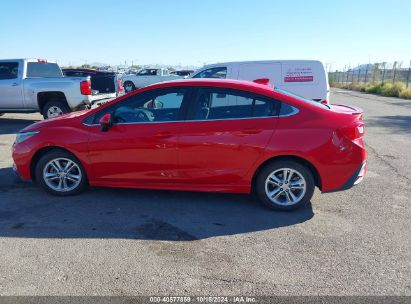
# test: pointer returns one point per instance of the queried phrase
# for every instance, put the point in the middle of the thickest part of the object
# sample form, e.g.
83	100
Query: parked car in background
182	72
38	85
210	135
146	77
306	78
104	84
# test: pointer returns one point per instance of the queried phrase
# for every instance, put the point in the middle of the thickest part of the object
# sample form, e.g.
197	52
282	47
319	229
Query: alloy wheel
54	111
285	187
62	174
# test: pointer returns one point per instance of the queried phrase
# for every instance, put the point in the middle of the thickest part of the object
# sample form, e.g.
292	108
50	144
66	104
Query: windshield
315	103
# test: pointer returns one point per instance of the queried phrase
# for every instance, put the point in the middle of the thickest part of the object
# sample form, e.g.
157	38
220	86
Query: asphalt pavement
140	242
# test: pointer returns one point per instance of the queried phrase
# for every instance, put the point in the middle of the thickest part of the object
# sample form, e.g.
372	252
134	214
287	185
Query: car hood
52	122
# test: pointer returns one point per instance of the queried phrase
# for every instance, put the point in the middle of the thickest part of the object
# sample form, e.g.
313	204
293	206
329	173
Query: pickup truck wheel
60	173
129	86
55	108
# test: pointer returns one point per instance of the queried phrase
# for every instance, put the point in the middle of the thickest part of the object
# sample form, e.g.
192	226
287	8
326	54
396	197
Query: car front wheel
285	185
60	173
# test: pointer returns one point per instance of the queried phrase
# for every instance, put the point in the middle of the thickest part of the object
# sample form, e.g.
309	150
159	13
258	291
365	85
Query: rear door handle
14	84
251	131
163	134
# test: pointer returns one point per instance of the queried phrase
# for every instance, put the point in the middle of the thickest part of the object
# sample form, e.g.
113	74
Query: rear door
11	92
225	133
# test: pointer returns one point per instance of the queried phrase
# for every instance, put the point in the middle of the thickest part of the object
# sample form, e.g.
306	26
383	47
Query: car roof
214	82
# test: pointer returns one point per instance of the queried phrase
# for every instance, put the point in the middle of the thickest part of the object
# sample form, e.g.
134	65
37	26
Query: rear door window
217	104
9	70
43	70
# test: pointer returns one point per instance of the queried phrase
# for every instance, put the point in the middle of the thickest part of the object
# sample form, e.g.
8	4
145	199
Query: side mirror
105	122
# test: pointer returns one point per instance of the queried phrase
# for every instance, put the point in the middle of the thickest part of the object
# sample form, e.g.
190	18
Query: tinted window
153	106
43	70
9	70
148	72
228	104
318	104
220	72
287	110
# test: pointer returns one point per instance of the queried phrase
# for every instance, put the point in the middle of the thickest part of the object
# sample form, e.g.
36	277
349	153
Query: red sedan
200	135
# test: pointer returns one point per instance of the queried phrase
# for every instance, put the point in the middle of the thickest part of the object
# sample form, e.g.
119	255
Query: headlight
20	137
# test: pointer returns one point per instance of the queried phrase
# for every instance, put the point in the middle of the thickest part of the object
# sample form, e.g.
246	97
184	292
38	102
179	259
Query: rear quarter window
43	70
302	99
287	110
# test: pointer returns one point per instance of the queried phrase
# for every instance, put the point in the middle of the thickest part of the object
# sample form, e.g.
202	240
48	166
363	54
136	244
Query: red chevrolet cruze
200	135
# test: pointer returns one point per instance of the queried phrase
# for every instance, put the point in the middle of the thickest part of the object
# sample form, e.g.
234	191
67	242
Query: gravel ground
136	242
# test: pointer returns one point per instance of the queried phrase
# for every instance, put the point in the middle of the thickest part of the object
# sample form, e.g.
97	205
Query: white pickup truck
146	77
36	85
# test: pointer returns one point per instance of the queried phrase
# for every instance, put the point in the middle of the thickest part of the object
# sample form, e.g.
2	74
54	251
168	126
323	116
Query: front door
141	146
10	86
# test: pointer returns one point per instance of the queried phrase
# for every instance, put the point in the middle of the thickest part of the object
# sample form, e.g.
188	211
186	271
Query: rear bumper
355	179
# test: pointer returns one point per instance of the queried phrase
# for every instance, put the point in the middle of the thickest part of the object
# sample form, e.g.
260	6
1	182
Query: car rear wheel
55	108
129	86
60	173
285	185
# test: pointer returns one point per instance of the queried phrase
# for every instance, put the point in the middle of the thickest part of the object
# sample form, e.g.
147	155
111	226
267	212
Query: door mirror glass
105	122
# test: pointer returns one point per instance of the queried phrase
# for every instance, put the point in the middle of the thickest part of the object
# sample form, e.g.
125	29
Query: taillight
120	86
85	87
354	132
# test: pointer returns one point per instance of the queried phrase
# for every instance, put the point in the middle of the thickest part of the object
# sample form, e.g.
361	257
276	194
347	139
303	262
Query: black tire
269	169
129	84
56	105
59	154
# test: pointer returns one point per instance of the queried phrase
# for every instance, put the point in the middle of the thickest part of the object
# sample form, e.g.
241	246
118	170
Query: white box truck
306	78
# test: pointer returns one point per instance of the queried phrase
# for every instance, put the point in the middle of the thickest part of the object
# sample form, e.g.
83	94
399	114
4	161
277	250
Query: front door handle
14	84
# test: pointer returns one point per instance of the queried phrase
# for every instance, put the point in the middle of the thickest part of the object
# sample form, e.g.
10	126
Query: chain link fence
372	73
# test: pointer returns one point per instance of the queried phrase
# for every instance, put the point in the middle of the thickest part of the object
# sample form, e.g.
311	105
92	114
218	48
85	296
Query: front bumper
22	156
15	171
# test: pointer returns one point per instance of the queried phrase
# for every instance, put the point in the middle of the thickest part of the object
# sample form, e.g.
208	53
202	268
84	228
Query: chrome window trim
296	111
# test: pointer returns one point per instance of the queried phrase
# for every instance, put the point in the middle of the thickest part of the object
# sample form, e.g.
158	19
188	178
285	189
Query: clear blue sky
191	32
